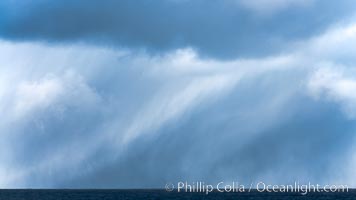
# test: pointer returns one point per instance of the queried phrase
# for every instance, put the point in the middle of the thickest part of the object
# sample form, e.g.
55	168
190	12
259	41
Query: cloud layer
120	117
221	29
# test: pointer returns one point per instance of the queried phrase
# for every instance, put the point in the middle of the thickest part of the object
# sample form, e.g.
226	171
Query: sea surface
35	194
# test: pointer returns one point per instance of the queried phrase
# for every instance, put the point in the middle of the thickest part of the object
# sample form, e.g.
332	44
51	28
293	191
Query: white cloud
330	58
31	95
270	6
335	85
335	45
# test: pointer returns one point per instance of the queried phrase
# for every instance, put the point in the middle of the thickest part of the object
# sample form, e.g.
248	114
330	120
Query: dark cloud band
222	29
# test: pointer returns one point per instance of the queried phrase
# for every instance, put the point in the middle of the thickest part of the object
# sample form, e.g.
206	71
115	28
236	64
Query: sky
136	94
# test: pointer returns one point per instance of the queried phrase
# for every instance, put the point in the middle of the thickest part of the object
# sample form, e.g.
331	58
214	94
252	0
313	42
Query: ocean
111	194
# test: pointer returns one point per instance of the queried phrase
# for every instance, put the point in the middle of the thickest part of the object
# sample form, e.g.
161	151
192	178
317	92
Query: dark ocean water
160	194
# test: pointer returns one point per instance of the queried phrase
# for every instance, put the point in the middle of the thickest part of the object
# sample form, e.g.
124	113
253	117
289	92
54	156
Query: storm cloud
135	94
222	29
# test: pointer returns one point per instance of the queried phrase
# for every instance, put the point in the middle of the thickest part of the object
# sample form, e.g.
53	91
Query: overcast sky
132	94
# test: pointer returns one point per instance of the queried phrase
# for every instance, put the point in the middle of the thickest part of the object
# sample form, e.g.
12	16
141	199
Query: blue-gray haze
139	93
